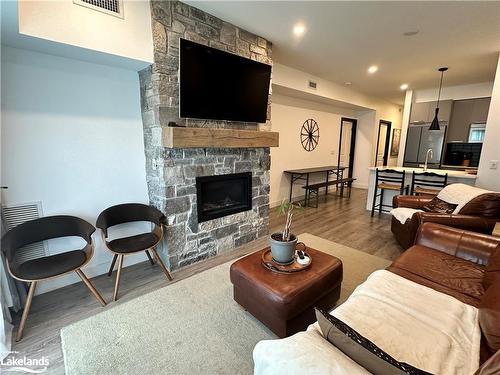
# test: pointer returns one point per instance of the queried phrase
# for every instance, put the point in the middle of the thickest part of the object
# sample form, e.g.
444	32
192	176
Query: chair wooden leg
149	257
112	265
26	310
91	287
162	265
118	274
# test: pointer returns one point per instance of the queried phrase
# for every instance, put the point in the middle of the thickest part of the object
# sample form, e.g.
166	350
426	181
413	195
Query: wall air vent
17	214
111	7
313	85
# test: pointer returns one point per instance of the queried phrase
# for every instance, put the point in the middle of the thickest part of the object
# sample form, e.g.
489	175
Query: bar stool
387	179
48	267
426	183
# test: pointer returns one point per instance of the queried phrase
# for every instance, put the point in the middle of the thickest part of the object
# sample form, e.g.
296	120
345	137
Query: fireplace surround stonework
171	172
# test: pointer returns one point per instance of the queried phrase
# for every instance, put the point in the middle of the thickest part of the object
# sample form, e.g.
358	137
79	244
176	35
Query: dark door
347	144
383	140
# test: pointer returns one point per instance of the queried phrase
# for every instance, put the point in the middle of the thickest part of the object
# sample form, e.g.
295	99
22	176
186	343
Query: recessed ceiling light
410	33
372	69
299	29
348	83
404	86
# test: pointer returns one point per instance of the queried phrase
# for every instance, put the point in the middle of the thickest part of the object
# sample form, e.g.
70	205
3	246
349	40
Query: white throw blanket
414	324
403	213
460	194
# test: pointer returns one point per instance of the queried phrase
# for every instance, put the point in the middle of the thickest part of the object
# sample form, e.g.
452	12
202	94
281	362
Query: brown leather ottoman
285	302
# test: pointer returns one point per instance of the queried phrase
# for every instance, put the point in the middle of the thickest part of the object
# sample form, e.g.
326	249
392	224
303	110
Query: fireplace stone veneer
187	240
171	173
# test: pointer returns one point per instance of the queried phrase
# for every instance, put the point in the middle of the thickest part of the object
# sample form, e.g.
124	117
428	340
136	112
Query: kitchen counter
451	172
454	176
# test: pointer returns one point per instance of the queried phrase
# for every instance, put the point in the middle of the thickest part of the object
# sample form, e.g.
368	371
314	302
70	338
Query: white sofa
414	324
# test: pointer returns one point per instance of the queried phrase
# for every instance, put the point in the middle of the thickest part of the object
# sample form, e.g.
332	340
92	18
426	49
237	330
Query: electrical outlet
493	164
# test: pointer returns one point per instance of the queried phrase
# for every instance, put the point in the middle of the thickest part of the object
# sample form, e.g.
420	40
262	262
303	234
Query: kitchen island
454	176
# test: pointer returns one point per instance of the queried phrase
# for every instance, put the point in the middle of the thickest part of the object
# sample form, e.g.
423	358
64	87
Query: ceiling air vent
112	7
17	214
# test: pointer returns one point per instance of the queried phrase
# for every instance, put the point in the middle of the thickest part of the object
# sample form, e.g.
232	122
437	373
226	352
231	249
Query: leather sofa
479	215
459	263
456	262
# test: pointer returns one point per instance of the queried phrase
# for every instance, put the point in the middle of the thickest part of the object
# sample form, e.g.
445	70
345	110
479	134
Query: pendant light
435	122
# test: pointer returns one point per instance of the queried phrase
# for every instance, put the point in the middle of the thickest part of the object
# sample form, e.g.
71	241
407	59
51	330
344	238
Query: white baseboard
358	185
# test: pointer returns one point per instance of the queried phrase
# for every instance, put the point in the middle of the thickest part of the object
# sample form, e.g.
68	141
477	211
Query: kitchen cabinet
424	112
460	121
480	110
465	113
419	112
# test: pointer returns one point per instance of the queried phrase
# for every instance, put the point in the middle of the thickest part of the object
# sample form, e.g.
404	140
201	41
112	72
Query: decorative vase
283	251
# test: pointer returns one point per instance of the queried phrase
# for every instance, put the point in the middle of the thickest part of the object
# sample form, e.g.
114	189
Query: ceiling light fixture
348	83
299	29
372	69
404	86
435	122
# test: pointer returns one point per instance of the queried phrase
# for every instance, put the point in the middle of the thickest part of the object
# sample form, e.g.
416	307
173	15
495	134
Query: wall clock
309	134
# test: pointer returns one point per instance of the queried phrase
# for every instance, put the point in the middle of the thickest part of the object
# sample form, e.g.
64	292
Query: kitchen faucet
429	151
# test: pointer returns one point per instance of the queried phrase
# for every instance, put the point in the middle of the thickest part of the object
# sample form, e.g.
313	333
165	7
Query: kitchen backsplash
457	152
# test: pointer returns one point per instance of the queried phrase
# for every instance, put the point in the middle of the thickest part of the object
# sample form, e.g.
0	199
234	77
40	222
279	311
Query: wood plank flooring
338	219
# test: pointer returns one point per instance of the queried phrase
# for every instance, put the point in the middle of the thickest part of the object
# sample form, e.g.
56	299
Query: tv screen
218	85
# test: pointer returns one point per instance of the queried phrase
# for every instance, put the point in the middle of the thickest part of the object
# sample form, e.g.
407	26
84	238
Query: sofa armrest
471	246
473	223
410	201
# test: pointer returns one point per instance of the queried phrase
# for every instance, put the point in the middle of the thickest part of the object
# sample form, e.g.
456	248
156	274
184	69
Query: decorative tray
295	266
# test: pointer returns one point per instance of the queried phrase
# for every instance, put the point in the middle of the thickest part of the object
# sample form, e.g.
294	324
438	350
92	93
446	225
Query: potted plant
283	243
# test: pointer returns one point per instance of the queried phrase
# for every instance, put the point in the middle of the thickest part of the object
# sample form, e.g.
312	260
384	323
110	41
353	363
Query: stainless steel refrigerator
419	140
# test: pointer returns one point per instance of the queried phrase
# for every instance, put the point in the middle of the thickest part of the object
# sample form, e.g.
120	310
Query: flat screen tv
218	85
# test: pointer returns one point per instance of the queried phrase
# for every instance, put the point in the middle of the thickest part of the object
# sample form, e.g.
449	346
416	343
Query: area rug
190	327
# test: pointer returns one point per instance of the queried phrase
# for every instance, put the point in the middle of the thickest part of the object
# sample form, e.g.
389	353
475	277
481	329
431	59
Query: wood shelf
174	137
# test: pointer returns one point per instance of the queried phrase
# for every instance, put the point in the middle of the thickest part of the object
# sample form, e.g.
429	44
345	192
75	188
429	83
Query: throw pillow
360	349
489	316
439	206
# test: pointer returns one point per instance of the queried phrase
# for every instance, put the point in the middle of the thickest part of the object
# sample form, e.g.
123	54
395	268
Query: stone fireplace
178	177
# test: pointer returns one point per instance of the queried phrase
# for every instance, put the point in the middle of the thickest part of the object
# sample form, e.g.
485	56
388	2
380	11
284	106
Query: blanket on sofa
414	324
460	194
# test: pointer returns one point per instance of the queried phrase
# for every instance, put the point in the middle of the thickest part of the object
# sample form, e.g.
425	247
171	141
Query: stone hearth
171	173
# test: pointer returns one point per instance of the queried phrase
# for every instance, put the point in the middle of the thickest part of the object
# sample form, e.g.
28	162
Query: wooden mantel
176	137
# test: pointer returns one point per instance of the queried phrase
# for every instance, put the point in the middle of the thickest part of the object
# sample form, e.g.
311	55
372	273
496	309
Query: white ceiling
344	38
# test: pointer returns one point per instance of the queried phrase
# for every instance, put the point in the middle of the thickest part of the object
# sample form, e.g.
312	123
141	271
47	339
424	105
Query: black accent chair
387	179
48	267
427	183
127	213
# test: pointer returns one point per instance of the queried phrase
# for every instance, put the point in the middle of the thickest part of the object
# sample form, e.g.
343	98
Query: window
476	133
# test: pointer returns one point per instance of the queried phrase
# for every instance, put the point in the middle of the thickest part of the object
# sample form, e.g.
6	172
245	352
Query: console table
303	174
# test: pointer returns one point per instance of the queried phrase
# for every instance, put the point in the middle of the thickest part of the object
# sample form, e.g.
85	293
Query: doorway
347	143
383	140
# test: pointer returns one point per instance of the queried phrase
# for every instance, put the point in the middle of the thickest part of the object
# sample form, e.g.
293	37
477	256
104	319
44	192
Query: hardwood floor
338	219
